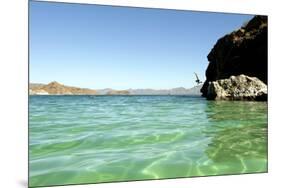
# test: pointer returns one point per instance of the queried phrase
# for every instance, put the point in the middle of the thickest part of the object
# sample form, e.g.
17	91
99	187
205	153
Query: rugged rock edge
240	87
243	51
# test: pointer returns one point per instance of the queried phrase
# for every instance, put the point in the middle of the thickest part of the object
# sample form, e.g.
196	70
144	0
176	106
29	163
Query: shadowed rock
243	51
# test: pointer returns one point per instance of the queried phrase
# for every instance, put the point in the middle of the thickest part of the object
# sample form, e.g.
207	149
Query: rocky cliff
243	51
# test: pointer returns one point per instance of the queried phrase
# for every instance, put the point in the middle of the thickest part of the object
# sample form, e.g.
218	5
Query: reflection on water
239	135
236	110
88	139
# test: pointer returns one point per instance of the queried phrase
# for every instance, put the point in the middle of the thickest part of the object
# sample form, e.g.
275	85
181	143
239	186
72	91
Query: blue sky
98	47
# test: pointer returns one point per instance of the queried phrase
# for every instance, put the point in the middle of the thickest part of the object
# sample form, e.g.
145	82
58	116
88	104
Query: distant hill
148	92
194	90
175	91
118	92
109	91
55	88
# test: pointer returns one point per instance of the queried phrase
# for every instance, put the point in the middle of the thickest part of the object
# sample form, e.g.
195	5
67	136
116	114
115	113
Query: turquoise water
91	139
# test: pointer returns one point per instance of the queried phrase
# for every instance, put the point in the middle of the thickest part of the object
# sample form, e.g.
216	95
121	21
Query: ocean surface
92	139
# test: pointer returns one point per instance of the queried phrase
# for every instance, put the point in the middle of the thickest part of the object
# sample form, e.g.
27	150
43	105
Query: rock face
237	88
241	52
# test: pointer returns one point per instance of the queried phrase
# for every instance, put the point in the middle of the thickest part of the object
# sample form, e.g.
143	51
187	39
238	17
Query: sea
95	139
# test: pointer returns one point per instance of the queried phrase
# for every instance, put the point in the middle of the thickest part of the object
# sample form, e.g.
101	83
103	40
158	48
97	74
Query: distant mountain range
55	88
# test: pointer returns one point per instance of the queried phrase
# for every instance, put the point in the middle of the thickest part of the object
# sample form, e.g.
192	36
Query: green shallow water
92	139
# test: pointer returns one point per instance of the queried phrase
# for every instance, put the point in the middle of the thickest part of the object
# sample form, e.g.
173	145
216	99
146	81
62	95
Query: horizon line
113	88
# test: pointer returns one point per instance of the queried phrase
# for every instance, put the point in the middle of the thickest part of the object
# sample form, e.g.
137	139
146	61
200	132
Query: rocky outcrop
243	51
237	88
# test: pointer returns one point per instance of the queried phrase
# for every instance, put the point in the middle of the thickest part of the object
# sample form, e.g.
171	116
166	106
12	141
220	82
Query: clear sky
98	47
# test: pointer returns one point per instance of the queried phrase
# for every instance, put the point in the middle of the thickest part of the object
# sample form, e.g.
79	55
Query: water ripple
89	139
